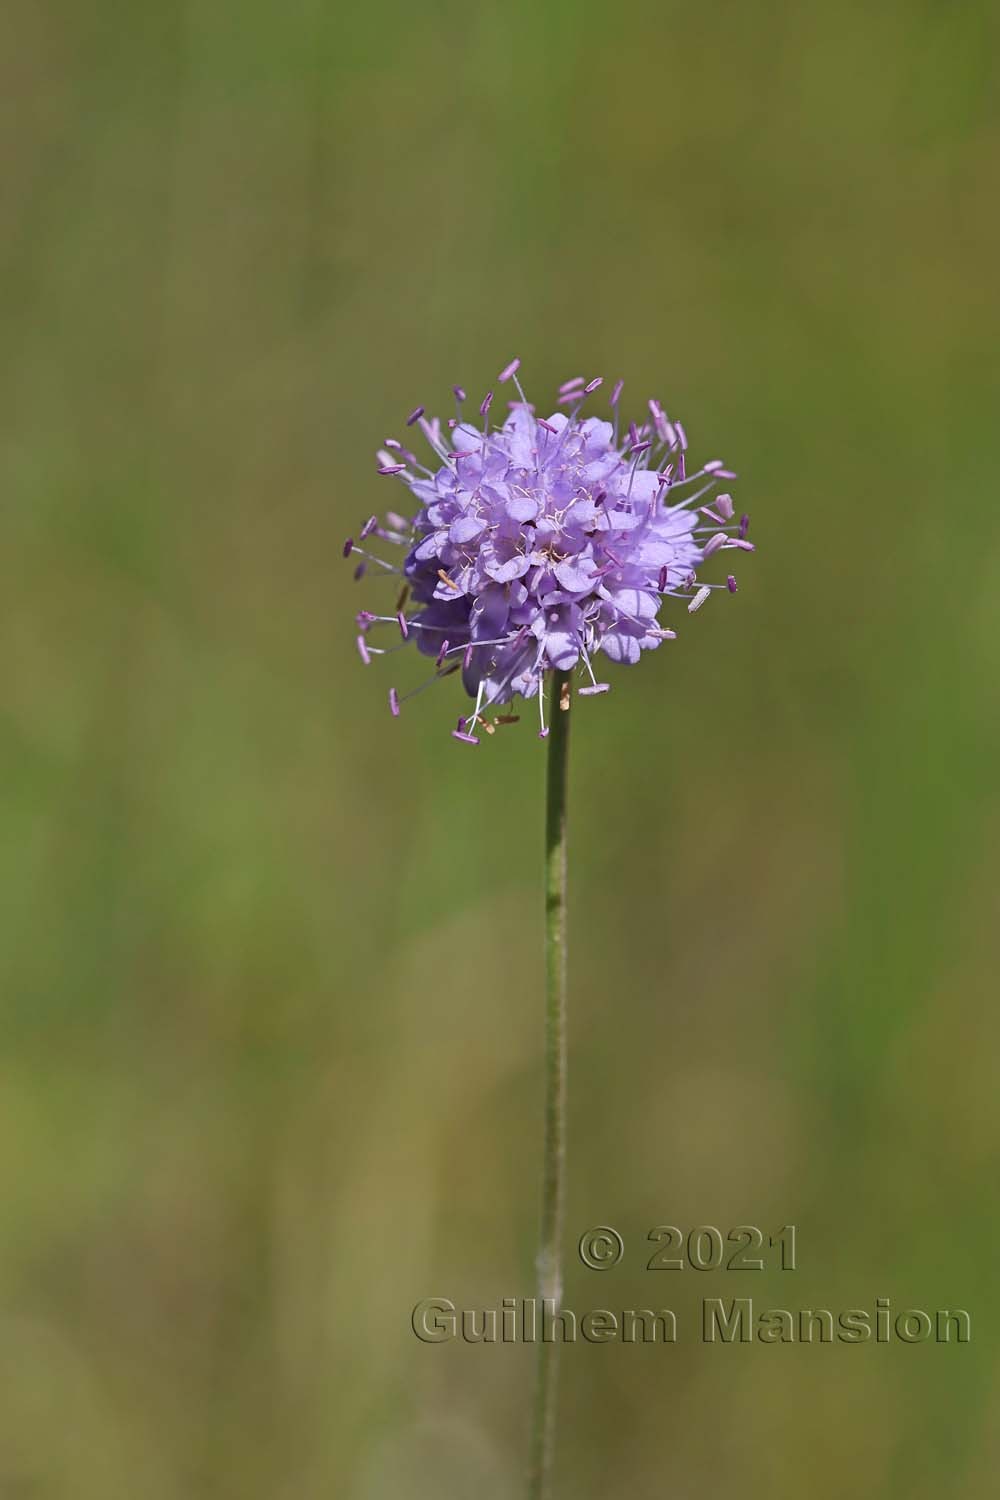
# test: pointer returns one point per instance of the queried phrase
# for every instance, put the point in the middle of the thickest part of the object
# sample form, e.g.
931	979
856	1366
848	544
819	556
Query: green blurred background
271	970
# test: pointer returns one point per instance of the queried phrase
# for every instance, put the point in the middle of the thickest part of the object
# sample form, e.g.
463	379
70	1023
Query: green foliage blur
271	969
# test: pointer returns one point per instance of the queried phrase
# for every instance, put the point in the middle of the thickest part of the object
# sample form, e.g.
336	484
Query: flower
543	542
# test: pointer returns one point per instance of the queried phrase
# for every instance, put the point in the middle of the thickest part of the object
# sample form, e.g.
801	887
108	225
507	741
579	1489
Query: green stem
554	1149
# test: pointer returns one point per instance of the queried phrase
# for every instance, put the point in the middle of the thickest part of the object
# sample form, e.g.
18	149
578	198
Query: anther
415	415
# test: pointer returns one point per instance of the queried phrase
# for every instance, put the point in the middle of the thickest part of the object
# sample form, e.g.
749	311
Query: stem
554	1149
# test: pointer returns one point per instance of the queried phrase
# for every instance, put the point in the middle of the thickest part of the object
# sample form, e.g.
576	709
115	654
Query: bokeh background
271	970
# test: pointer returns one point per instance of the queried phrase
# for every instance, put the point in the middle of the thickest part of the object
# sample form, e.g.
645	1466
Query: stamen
360	571
442	653
363	651
698	600
543	733
593	688
715	541
422	687
617	393
394	703
432	432
569	385
744	524
391	468
589	389
459	393
466	739
508	371
662	583
404	629
449	581
487	402
404	594
471	724
379	562
731	584
415	415
349	546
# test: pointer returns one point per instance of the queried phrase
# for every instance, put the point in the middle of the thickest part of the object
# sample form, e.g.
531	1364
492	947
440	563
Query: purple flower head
543	542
